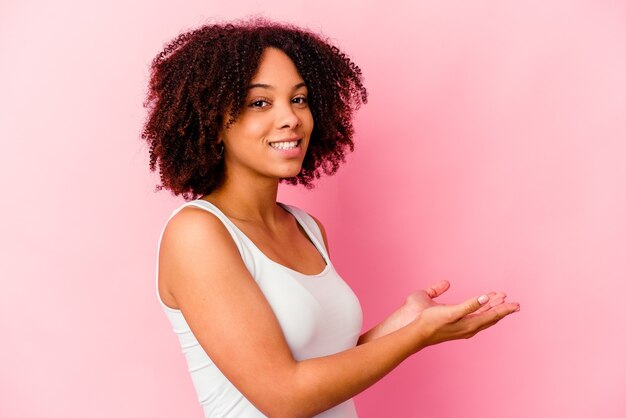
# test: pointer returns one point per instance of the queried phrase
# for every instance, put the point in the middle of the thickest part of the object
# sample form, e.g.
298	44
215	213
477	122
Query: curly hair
203	73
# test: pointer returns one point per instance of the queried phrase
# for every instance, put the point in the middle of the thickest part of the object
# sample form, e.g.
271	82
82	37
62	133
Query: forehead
276	68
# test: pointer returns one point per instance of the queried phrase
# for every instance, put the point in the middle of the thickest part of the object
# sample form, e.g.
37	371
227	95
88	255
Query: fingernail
483	299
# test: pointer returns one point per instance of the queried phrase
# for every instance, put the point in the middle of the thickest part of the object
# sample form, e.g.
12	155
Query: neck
248	199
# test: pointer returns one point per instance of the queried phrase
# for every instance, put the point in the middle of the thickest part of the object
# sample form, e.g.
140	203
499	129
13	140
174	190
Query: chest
290	246
318	316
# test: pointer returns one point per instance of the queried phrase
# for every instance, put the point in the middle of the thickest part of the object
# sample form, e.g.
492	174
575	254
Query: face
271	135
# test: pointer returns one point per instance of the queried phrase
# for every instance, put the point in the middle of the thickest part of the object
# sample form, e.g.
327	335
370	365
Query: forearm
321	383
305	388
398	319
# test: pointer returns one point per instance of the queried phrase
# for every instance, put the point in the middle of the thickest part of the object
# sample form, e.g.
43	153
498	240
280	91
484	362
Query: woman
267	325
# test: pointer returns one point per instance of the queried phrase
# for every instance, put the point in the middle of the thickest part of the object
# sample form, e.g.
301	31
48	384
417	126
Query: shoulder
194	242
323	231
193	224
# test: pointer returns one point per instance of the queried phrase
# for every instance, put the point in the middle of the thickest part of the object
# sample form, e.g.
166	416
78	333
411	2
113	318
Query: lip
288	153
295	138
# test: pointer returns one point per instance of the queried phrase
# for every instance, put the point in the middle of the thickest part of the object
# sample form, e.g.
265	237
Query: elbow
285	408
288	395
285	401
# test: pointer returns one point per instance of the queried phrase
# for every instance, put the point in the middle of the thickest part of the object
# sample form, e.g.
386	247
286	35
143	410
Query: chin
289	174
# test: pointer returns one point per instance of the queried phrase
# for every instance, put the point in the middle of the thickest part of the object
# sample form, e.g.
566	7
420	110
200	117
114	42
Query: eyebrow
268	86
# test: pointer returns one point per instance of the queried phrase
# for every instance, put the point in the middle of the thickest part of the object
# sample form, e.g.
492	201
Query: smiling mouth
286	144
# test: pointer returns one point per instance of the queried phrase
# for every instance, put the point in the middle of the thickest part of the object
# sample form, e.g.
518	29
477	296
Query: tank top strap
310	225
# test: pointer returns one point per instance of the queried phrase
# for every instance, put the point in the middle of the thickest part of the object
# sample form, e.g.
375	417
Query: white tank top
318	314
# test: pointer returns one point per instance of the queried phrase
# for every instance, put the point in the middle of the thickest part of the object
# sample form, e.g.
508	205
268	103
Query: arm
224	307
413	305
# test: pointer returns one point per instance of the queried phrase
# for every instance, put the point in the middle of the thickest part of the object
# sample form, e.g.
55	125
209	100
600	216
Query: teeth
284	145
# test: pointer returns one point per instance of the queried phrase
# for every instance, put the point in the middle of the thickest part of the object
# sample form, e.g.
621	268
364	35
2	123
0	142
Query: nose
286	117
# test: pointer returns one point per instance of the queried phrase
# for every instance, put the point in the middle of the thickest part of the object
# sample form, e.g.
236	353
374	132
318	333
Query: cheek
307	120
243	136
256	127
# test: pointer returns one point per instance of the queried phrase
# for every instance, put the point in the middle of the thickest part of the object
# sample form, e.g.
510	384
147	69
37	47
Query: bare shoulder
192	223
192	240
319	224
191	227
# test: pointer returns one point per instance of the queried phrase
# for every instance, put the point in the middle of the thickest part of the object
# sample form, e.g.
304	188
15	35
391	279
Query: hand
418	301
414	304
437	323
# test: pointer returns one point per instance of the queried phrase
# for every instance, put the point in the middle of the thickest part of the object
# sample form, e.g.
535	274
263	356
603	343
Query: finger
496	314
494	300
437	289
469	306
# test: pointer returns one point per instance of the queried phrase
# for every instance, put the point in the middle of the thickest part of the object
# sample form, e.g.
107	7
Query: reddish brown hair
202	72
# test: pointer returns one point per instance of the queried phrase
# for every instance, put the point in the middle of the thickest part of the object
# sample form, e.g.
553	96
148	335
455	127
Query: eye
259	103
300	100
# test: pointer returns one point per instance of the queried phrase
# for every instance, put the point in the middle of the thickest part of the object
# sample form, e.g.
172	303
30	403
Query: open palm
418	301
415	303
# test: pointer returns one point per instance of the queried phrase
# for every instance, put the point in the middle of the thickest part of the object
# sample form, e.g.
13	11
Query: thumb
438	289
469	306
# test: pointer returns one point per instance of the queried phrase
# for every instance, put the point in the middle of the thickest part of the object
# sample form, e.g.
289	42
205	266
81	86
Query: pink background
491	154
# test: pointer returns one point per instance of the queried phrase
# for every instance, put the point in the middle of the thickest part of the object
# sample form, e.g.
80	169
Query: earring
221	151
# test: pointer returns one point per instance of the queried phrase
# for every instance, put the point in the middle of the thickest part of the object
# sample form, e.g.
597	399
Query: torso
318	314
289	246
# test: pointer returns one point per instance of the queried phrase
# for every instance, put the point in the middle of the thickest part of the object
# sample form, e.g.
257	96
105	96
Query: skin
222	303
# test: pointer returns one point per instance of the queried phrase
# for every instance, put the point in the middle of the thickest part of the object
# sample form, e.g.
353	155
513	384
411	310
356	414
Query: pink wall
491	154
